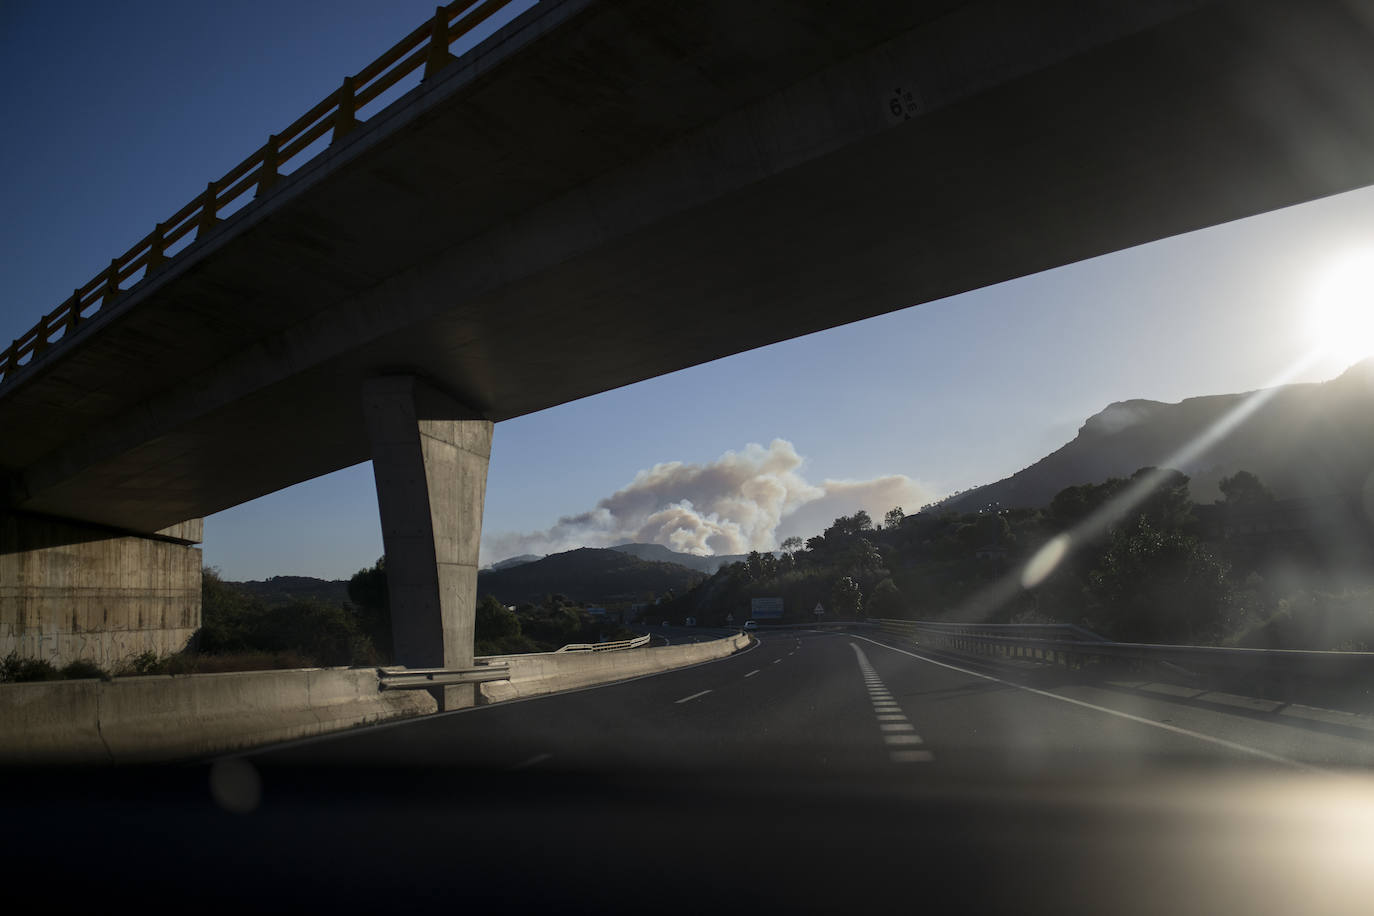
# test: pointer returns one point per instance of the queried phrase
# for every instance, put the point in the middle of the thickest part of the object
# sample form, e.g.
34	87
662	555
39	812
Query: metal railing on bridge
1280	672
427	46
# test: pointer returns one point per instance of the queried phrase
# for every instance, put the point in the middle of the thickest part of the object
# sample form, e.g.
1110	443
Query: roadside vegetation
1155	574
241	631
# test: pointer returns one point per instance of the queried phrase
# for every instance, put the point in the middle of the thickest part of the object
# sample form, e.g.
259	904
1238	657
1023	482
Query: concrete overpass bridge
602	192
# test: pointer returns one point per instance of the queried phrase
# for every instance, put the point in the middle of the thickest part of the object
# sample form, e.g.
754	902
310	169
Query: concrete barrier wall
531	675
142	719
145	719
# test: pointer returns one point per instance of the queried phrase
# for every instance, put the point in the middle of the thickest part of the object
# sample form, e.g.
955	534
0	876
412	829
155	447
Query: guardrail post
111	283
73	310
267	174
40	343
438	57
344	114
208	206
157	248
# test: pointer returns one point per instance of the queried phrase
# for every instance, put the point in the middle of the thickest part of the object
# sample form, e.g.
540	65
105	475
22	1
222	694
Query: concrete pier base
429	456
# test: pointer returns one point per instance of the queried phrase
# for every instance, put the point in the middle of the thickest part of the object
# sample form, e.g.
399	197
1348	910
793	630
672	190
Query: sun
1340	312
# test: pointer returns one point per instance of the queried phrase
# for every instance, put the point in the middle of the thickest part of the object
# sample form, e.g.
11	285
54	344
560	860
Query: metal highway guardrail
606	646
1060	631
336	114
1284	671
422	678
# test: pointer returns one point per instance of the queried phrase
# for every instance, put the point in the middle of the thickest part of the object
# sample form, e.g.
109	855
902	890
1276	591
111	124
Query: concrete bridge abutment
72	591
429	457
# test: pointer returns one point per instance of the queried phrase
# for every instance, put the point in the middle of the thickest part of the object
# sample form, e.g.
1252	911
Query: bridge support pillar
429	456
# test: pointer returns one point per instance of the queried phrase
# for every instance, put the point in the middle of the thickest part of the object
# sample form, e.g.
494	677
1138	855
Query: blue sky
117	114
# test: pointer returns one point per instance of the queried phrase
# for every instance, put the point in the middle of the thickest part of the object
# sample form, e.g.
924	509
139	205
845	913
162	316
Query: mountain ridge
1301	439
588	574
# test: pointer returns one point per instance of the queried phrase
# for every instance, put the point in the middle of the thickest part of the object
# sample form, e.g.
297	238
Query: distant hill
1311	439
586	574
285	589
660	554
516	561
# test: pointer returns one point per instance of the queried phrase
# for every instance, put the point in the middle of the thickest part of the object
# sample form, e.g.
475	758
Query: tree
863	556
846	599
761	566
893	520
328	634
793	544
1244	489
368	587
1073	504
227	616
368	592
1169	507
886	600
1159	586
496	627
848	526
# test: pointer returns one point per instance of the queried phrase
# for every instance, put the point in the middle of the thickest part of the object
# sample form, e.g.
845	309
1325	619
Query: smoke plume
742	501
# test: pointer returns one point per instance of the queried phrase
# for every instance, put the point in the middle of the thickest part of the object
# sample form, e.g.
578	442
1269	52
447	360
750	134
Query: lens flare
1340	310
1045	561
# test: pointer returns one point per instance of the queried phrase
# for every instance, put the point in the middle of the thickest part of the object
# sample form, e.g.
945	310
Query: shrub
83	670
192	663
142	664
16	670
326	632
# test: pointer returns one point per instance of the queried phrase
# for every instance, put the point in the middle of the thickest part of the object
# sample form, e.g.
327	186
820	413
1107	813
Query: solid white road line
693	696
1222	742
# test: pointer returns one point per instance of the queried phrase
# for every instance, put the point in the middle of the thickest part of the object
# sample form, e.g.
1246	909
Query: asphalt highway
861	704
816	771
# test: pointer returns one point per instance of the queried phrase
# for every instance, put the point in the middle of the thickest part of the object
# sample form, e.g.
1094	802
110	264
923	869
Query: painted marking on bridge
693	696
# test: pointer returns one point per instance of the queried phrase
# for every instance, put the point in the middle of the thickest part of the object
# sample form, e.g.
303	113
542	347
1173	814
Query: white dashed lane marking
911	756
897	732
752	673
692	697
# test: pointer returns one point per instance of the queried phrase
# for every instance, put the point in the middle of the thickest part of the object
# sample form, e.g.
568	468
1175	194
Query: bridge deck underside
550	230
